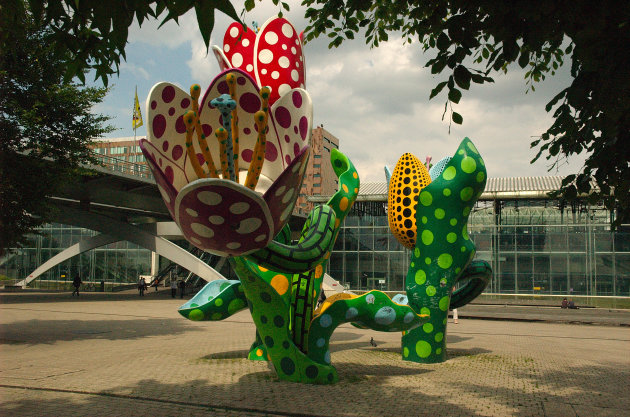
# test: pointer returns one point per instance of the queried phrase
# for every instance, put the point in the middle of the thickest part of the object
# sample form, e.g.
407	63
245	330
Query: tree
473	40
46	125
92	34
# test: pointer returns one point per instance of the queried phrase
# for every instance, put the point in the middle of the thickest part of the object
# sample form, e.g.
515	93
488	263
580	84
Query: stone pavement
104	355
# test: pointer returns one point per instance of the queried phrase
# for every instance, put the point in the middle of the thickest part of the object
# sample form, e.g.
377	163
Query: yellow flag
137	115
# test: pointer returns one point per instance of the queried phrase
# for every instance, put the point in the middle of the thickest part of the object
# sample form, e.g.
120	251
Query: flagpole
135	151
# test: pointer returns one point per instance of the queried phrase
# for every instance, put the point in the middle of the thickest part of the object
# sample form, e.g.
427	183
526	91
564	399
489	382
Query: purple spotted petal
223	217
283	193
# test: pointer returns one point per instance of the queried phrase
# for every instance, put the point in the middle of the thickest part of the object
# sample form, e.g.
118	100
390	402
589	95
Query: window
316	175
327	149
317	156
317	165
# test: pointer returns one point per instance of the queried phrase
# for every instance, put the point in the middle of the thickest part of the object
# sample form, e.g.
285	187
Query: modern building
319	178
535	244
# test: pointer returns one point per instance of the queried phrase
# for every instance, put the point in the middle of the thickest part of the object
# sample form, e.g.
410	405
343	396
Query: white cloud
134	70
376	101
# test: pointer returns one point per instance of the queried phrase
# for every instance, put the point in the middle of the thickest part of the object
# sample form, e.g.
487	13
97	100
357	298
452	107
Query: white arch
124	231
83	246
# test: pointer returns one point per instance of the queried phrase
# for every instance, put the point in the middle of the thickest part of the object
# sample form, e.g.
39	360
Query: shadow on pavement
32	332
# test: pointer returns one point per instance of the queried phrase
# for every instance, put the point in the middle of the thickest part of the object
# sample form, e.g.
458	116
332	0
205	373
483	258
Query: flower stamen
225	105
258	157
231	80
189	120
195	91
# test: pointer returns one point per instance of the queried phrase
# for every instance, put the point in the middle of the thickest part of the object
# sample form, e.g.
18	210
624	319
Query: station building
534	243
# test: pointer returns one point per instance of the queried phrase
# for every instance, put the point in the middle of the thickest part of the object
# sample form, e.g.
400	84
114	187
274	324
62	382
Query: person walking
173	288
76	283
182	287
142	286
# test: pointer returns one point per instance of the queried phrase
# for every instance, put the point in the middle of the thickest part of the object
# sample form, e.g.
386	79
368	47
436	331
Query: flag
137	115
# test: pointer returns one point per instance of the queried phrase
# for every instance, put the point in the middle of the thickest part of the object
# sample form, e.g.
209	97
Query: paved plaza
122	355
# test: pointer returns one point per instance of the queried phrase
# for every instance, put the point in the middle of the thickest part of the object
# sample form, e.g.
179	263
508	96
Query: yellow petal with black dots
409	177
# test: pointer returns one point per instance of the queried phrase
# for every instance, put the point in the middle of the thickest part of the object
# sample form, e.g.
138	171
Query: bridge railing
124	166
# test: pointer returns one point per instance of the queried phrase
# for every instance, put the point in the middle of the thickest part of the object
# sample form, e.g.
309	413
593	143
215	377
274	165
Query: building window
317	165
317	185
317	156
316	175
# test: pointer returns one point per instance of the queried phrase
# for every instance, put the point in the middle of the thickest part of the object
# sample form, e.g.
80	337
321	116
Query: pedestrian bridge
120	200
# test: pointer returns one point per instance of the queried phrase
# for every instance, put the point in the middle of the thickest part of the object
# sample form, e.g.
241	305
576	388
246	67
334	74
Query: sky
376	101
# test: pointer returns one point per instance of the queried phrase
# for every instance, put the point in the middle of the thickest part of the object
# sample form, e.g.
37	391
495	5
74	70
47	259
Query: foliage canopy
92	34
46	125
473	40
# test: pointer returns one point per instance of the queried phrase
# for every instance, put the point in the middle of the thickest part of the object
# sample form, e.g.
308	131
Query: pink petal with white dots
163	175
278	58
223	217
238	46
282	195
292	120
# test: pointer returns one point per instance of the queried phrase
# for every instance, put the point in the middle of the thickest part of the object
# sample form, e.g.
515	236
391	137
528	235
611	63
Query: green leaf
205	19
454	95
437	89
523	60
462	77
457	118
443	42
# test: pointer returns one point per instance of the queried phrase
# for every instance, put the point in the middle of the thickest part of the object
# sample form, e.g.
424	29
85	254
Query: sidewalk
135	356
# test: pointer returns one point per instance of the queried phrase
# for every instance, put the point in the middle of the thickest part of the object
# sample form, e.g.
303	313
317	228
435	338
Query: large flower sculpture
230	167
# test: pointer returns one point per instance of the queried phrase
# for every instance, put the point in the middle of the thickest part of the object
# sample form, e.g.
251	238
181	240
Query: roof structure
496	189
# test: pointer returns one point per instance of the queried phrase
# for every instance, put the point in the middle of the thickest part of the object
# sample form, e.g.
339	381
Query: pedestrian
156	283
173	288
182	287
565	303
76	283
142	286
572	305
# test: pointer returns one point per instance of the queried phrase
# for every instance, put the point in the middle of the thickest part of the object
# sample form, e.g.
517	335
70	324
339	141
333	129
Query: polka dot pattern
226	215
238	48
409	177
217	300
444	249
373	310
273	56
282	65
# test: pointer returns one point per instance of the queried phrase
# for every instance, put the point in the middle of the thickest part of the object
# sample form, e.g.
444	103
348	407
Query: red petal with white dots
223	217
238	47
278	60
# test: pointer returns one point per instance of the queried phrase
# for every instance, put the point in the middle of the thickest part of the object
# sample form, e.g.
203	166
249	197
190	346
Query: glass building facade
115	264
533	246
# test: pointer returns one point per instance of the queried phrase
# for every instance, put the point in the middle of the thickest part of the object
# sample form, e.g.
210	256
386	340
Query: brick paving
135	357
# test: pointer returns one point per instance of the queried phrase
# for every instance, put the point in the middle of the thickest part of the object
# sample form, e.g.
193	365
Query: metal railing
124	166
